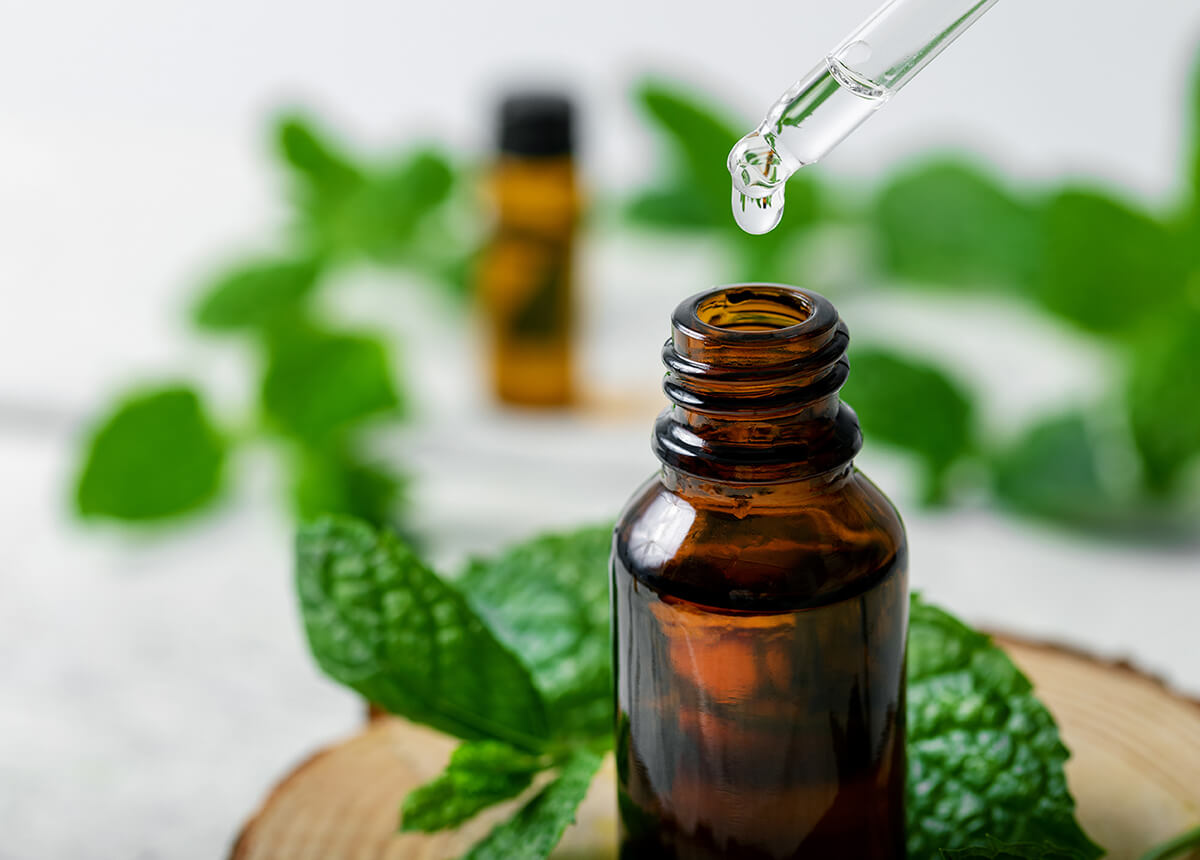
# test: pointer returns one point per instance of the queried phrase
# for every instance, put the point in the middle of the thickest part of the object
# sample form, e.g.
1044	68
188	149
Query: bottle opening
751	309
753	371
755	325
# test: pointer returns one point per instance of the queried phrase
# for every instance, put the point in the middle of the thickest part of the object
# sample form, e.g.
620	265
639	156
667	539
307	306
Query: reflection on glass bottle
759	588
525	274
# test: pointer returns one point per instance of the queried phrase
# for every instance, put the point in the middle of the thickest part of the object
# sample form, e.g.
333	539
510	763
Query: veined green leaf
480	774
382	623
985	758
547	599
532	833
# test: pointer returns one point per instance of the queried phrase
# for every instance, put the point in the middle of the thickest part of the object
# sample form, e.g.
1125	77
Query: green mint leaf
383	217
336	481
1097	253
1163	398
1175	847
912	405
317	384
155	455
695	191
382	623
1061	469
1194	150
699	137
535	829
994	849
985	758
954	223
480	774
379	214
547	599
257	294
678	208
325	172
1191	214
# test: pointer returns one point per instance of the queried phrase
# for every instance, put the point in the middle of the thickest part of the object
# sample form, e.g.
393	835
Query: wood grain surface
1135	772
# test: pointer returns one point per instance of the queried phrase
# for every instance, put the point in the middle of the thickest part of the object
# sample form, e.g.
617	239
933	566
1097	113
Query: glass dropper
821	109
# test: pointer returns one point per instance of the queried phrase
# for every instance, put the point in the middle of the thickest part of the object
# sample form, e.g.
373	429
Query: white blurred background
152	686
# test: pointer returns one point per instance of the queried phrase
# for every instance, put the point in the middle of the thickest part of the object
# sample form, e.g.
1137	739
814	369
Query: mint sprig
512	656
480	774
382	623
546	601
984	755
537	826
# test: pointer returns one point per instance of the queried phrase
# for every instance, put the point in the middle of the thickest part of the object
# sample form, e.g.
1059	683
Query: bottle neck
739	497
753	374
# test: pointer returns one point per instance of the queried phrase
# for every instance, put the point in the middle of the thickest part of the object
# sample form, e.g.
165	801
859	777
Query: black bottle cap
536	124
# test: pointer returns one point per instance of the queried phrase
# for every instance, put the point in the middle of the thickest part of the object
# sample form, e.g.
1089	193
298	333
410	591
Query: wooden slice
1135	773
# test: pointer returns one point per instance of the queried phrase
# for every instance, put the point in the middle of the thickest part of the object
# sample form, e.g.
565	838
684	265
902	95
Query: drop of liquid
758	215
758	170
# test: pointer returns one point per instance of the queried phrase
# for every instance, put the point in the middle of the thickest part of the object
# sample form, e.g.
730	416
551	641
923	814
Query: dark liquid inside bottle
761	734
760	604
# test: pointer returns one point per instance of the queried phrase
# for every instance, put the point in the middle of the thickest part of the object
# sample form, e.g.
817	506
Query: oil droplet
805	123
758	215
759	171
756	166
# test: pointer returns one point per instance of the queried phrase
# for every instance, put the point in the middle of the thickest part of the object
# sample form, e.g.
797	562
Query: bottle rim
752	315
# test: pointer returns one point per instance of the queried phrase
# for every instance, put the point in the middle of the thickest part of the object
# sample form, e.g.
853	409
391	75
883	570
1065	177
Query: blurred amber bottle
526	272
759	588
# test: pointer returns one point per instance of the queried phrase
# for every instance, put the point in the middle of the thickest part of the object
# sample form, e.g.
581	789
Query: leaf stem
1175	847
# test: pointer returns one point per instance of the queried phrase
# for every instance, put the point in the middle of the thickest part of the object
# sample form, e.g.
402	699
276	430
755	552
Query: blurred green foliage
953	223
1061	468
164	437
259	295
1107	266
691	192
889	390
320	387
318	384
338	478
1116	270
1112	268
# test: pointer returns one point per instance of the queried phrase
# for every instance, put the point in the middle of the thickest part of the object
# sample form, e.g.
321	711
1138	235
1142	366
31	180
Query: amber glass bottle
525	275
760	602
